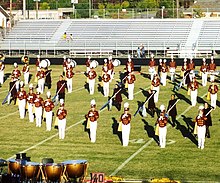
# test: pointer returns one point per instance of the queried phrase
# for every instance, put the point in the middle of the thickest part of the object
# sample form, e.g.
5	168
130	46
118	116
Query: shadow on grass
182	97
100	89
85	126
150	131
145	75
6	76
144	92
115	131
86	86
186	132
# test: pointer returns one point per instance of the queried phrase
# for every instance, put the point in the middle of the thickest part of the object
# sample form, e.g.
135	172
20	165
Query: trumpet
25	59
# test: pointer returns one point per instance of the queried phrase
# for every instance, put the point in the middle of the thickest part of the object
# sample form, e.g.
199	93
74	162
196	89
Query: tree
144	4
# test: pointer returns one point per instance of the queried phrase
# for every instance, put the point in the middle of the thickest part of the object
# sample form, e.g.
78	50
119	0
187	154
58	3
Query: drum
15	166
75	168
94	64
44	63
52	171
30	170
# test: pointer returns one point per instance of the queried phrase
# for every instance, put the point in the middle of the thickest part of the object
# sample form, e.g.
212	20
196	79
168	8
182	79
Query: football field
142	158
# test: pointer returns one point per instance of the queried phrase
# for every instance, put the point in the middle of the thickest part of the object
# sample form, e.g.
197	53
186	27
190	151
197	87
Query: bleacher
107	36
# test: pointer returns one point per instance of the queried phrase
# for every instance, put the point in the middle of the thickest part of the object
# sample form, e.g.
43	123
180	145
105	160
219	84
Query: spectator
138	52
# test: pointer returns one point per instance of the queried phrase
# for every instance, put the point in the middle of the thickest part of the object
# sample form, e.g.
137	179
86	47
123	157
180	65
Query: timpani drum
29	170
75	168
15	166
52	171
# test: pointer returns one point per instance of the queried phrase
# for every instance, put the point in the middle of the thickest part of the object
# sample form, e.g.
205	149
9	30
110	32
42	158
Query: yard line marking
10	114
56	134
145	145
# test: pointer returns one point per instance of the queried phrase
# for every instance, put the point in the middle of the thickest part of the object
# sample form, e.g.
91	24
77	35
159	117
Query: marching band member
155	85
162	122
204	70
41	80
105	79
193	91
110	68
191	67
213	89
88	62
38	104
48	107
13	92
31	96
69	77
201	127
129	65
92	116
25	71
64	65
2	68
38	63
173	111
91	76
126	125
159	67
172	69
151	104
61	85
117	98
164	70
61	114
207	113
22	96
183	71
16	74
152	67
131	79
212	68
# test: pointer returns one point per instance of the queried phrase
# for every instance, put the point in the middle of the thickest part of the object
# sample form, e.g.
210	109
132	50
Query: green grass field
142	159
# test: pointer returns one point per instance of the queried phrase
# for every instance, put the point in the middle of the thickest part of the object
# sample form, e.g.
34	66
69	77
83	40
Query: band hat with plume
92	103
38	56
38	91
48	94
201	107
126	106
61	102
15	64
203	59
31	86
21	84
162	107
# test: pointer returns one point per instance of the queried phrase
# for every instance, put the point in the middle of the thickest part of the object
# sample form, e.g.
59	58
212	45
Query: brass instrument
25	59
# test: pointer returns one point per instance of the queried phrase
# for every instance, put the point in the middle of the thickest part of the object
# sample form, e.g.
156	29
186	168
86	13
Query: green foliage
44	6
82	9
125	4
144	4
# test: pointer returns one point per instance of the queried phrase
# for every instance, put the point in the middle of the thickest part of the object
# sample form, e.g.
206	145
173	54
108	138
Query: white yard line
56	134
144	146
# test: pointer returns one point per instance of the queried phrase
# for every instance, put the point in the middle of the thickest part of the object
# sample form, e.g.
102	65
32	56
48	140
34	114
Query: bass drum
94	64
15	166
30	170
52	171
75	168
44	63
116	62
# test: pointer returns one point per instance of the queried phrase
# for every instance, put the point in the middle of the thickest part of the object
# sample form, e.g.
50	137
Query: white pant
69	83
156	95
26	78
191	75
204	78
91	86
21	107
41	85
163	78
38	115
212	77
1	77
49	116
106	89
162	136
93	128
111	73
125	134
17	85
151	72
172	74
131	91
30	112
201	136
62	127
193	97
213	99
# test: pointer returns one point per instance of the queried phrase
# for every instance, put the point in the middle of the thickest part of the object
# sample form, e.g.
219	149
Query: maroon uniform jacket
125	118
61	114
162	121
16	73
131	78
212	66
38	102
213	89
201	120
194	85
59	84
69	73
204	68
152	63
25	69
21	95
93	115
172	64
40	74
92	74
155	82
48	105
191	66
106	77
31	97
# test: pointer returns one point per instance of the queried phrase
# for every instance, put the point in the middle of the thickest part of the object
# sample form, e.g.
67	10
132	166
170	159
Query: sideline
56	134
144	146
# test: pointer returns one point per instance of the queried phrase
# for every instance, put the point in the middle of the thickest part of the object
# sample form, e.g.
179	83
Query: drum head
116	62
75	162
